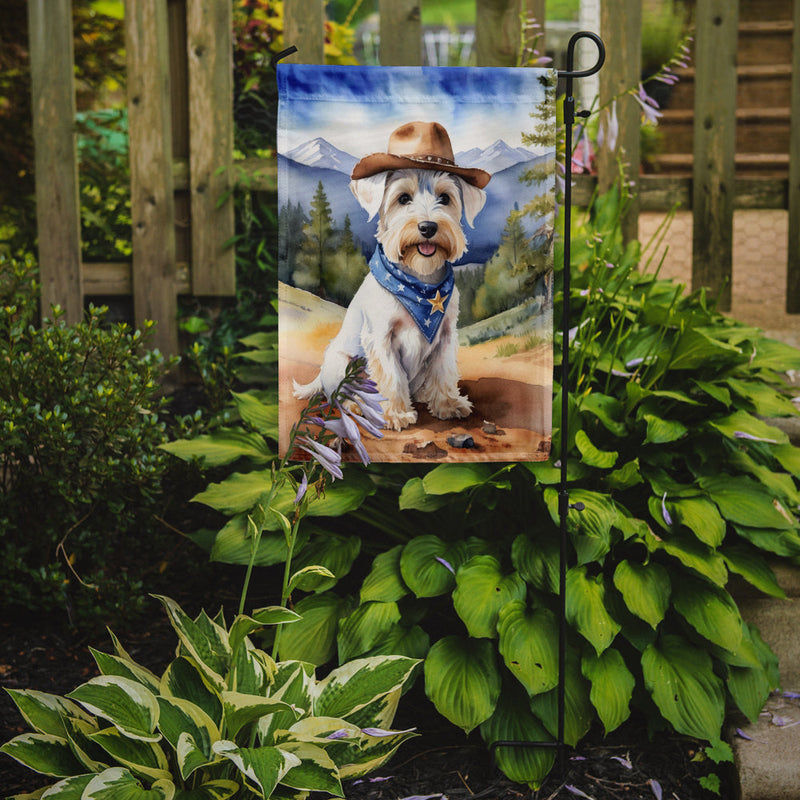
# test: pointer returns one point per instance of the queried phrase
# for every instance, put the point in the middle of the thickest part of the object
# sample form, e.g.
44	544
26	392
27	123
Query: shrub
79	430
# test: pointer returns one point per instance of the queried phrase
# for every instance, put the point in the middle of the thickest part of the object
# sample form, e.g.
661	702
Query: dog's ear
474	200
369	192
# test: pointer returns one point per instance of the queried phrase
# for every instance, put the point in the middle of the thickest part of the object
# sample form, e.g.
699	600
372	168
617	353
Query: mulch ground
441	762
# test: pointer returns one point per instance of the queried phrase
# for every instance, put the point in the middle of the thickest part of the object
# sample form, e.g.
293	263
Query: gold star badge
437	304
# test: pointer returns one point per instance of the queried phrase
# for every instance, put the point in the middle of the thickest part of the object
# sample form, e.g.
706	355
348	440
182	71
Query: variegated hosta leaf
710	610
183	679
212	790
117	783
612	687
78	733
294	685
252	670
242	709
45	712
262	766
125	668
529	645
126	704
683	685
180	717
586	608
316	771
513	721
44	753
68	789
145	759
646	589
244	625
365	627
204	641
371	754
481	591
358	683
462	680
385	581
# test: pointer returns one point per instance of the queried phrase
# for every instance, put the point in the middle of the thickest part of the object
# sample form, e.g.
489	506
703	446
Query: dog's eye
404	199
444	199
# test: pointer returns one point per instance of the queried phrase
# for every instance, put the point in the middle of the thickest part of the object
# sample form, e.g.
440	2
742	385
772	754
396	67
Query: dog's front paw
399	418
456	407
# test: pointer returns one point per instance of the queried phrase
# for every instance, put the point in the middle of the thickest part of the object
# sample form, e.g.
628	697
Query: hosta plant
224	720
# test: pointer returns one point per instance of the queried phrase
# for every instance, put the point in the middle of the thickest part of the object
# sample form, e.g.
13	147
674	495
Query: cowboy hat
419	145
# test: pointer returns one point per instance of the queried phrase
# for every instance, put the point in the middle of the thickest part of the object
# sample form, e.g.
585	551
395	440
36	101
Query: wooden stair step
764	164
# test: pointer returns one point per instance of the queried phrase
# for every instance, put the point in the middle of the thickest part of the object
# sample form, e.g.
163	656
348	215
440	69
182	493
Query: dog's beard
398	226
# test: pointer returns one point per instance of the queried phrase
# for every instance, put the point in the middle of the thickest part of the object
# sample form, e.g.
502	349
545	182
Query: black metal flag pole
563	495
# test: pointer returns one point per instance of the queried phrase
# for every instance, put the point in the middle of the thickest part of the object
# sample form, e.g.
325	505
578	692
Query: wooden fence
180	97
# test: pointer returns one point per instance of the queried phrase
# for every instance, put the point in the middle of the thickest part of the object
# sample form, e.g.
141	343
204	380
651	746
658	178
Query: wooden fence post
401	33
56	161
210	55
152	201
793	266
304	27
498	30
621	29
714	177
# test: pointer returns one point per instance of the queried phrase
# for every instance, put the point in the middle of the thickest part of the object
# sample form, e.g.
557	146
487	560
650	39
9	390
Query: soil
44	654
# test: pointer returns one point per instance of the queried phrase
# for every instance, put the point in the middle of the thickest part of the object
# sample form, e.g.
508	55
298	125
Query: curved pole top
570	72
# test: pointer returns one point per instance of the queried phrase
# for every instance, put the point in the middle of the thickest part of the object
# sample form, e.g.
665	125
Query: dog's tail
302	391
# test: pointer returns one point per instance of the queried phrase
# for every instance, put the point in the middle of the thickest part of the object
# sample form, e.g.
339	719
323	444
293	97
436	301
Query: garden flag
416	215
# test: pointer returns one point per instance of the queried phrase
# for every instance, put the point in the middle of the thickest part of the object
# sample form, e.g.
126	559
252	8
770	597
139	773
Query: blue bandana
426	302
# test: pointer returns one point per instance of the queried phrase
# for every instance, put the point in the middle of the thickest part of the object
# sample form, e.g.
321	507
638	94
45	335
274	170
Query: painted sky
355	108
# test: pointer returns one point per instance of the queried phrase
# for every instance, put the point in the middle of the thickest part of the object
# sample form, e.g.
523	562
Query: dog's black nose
428	229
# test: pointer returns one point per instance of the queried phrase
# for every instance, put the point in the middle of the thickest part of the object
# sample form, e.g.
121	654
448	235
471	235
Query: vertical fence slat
56	164
401	33
714	189
152	201
621	28
210	55
304	27
793	266
498	32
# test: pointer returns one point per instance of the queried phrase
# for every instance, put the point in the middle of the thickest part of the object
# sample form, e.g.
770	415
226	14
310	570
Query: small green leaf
529	645
462	680
223	446
748	562
385	581
591	455
745	502
612	687
428	565
646	589
586	608
536	560
741	422
663	431
365	628
450	478
413	497
336	554
261	416
313	637
709	609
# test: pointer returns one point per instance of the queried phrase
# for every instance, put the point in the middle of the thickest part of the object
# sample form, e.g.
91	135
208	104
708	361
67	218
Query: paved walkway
760	246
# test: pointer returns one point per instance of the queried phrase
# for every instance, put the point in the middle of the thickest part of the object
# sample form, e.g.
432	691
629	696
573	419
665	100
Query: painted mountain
303	167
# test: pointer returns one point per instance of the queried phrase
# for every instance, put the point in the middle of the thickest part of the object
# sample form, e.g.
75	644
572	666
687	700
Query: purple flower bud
342	733
664	512
325	456
446	564
301	489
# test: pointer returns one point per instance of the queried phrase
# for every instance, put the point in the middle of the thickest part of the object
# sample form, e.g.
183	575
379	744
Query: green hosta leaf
263	766
312	577
462	680
182	679
663	431
428	565
590	528
335	553
126	704
709	610
449	478
243	625
118	784
683	685
578	710
529	645
399	640
355	685
753	567
481	591
44	753
233	544
608	410
788	455
512	721
207	644
693	554
701	517
145	759
237	493
782	543
740	422
365	627
774	355
223	446
612	687
767	402
316	772
696	349
242	709
745	502
45	712
414	497
261	416
537	561
627	476
125	668
646	589
385	582
749	687
590	455
716	391
212	790
313	638
586	608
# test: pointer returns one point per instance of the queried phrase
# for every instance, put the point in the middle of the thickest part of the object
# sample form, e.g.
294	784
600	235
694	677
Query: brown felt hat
419	145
